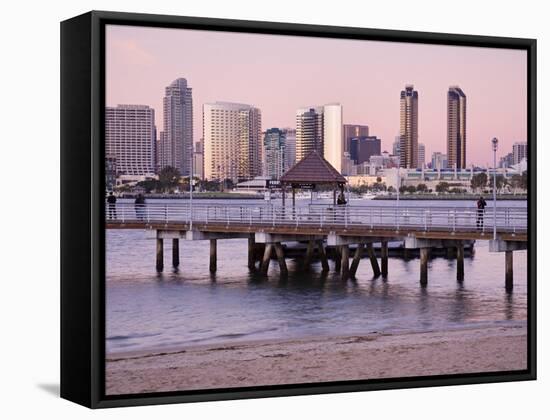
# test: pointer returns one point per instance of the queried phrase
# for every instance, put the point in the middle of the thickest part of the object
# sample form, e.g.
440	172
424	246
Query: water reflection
190	305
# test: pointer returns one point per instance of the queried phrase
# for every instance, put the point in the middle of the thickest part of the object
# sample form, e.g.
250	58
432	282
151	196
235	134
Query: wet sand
372	356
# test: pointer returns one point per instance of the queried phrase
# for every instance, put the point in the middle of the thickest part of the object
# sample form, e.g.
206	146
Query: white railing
369	217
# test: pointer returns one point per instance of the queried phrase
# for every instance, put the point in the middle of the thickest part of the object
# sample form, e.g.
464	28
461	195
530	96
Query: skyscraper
176	140
362	148
309	131
232	136
351	131
333	144
519	152
274	149
396	148
320	128
290	147
408	132
130	138
456	128
421	155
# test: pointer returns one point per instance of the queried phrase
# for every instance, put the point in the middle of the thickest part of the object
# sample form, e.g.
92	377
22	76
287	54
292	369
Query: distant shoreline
451	197
200	196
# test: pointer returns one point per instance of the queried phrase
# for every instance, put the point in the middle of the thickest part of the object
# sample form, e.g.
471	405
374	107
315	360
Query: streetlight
191	189
495	147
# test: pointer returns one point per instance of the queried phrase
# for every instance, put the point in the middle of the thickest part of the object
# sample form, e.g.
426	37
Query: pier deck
321	225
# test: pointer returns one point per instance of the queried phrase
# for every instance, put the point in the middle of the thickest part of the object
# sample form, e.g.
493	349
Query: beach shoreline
310	360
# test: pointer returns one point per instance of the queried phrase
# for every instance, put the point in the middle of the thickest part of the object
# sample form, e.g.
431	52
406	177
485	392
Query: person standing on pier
139	205
111	200
481	204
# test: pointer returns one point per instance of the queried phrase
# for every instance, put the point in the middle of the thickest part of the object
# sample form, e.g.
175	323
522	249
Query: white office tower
232	141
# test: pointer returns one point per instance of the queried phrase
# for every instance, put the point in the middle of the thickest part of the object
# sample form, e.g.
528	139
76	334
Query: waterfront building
408	132
320	128
456	128
130	138
274	149
519	151
459	178
176	139
232	141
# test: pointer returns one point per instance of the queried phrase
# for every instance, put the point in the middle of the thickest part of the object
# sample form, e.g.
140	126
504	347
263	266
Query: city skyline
299	71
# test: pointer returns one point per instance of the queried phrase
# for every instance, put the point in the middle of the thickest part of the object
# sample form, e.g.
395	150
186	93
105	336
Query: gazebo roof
313	169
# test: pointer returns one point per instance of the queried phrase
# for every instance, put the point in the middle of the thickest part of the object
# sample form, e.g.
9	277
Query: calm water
146	310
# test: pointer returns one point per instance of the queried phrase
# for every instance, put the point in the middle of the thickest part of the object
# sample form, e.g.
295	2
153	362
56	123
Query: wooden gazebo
311	171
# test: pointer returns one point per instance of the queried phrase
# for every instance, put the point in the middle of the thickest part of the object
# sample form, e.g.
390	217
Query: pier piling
309	254
175	252
509	270
281	259
337	259
345	261
266	259
160	254
373	260
424	254
460	261
213	255
356	259
251	253
384	258
323	255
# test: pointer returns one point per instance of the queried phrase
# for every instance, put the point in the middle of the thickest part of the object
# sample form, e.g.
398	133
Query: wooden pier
328	228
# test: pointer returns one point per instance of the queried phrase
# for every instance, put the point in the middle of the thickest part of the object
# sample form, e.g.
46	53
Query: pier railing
368	217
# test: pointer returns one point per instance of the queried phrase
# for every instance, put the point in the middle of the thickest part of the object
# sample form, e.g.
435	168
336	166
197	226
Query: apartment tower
176	140
408	131
130	136
232	141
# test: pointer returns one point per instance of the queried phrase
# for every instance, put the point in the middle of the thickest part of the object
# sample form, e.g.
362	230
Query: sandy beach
376	355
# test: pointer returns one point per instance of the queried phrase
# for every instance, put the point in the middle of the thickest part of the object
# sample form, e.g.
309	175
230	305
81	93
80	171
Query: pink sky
279	74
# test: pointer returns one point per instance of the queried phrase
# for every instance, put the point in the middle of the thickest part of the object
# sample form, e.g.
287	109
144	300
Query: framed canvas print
254	209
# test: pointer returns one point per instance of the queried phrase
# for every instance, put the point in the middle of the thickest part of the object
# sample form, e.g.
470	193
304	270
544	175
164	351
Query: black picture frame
82	208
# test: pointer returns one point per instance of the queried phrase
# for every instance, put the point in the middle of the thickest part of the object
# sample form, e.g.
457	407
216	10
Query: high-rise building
176	140
353	130
274	149
456	128
408	132
130	138
439	160
333	144
421	155
290	147
362	148
506	161
320	128
519	151
232	141
309	131
396	147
